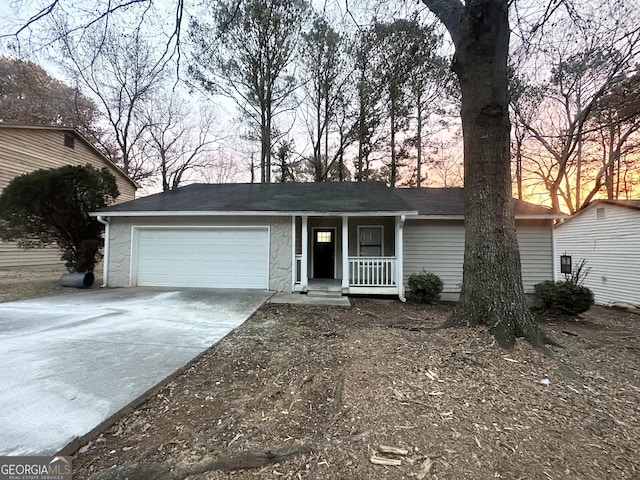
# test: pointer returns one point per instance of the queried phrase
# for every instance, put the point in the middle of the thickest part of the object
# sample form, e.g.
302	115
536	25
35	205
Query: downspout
105	266
294	268
400	256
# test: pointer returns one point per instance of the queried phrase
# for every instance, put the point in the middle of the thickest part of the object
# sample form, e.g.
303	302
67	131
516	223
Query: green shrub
547	293
564	297
572	298
424	287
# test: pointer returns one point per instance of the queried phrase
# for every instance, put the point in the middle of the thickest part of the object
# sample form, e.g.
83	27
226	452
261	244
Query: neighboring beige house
24	149
351	238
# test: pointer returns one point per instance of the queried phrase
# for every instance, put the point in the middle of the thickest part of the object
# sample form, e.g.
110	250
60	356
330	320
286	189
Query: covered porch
350	254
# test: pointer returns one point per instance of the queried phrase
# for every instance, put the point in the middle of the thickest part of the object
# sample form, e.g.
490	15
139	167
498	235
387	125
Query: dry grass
32	282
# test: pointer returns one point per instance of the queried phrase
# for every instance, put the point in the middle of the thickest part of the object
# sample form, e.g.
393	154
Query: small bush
425	287
572	298
547	293
564	297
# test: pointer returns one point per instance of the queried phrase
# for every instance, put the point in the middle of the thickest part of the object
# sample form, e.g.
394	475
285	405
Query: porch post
304	280
400	256
345	253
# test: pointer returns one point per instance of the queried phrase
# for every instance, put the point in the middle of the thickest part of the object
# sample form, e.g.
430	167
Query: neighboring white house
354	238
607	235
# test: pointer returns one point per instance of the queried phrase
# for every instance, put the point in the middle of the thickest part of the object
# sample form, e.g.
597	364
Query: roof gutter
553	216
105	263
248	213
409	215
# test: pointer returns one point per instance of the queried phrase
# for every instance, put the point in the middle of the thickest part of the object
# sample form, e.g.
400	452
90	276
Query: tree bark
361	128
419	142
578	157
394	160
492	292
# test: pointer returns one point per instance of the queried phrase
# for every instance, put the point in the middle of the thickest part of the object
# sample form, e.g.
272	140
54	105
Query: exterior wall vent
69	140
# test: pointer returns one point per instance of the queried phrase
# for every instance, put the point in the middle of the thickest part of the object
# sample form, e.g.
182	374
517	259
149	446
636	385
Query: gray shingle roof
450	201
347	197
350	197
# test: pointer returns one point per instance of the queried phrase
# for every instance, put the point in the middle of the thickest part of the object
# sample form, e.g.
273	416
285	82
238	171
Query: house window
565	264
370	241
69	140
600	213
323	237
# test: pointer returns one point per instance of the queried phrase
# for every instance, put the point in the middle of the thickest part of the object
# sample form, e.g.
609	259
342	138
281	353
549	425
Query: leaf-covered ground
343	383
329	388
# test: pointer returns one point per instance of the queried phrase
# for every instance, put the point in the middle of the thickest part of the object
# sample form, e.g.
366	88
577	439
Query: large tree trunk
492	292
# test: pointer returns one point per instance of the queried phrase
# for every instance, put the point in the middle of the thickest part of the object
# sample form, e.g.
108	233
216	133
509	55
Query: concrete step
298	299
325	288
324	293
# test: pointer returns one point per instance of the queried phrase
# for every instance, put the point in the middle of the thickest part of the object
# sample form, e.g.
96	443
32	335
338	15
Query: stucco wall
280	254
119	253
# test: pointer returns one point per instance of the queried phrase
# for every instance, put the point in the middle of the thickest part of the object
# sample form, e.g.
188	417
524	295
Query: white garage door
203	257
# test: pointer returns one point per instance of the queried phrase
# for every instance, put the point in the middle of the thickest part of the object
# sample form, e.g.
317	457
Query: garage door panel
209	257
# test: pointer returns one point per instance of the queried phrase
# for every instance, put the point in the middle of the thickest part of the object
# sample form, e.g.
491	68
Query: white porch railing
372	271
298	267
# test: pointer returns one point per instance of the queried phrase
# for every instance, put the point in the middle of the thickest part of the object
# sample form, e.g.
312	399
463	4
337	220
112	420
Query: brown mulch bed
314	392
304	392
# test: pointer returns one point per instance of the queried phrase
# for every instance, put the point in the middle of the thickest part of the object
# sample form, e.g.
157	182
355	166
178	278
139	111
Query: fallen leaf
393	450
393	462
425	468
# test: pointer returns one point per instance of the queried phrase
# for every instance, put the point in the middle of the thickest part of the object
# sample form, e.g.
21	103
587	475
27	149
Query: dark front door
324	253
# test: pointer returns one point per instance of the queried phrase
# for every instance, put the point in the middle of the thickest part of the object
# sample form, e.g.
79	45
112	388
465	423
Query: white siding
611	247
438	247
536	253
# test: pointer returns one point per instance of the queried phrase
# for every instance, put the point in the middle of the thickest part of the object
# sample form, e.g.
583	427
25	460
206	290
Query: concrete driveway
71	362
